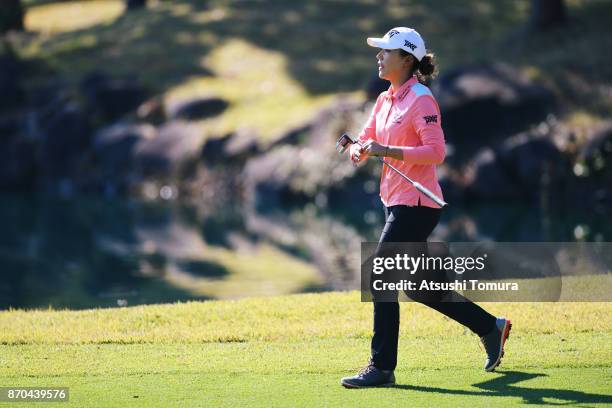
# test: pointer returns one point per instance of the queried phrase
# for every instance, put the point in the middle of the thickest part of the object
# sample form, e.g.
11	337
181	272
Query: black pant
414	224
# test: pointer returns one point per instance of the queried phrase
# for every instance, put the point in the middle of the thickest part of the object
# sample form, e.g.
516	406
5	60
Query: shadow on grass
324	45
323	41
503	386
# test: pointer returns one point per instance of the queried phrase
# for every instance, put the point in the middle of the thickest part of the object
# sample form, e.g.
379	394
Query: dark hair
425	69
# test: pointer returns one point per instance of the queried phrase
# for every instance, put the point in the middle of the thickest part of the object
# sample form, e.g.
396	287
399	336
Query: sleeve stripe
420	89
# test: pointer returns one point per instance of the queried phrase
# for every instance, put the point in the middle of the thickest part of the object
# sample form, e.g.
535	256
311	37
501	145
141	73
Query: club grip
429	194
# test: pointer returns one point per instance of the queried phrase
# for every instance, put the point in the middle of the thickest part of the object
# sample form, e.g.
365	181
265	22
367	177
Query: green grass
278	62
292	351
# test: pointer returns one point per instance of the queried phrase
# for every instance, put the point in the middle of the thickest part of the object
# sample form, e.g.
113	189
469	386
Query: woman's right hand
357	154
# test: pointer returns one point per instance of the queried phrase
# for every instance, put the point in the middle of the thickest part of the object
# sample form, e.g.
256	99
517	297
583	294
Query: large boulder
596	155
18	165
197	109
176	145
243	144
234	148
9	125
11	71
451	185
535	163
485	178
593	168
213	151
288	174
523	167
302	163
152	111
110	97
483	104
269	176
114	147
66	137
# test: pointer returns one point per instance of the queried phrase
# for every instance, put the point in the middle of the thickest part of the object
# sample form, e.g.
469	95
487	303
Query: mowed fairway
293	350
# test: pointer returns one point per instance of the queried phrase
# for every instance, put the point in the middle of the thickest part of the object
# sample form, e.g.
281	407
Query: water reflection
91	252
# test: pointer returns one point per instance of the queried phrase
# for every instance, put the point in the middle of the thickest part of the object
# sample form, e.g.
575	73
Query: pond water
85	252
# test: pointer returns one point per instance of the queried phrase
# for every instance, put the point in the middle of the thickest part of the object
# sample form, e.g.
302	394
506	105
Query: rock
288	174
451	188
487	179
271	171
197	109
235	148
9	125
112	97
534	163
18	165
291	136
522	167
152	111
284	175
302	164
604	196
45	104
66	137
325	126
593	169
483	104
114	149
214	149
596	155
242	144
48	96
11	70
175	146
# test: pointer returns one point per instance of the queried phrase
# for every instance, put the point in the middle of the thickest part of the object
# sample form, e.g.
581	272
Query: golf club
345	141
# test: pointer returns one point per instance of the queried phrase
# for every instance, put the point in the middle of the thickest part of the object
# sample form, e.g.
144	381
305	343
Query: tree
547	13
135	4
11	15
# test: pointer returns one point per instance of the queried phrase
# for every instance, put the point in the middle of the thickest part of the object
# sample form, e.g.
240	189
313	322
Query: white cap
401	37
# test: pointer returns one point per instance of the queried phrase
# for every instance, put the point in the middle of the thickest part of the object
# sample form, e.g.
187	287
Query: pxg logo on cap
401	37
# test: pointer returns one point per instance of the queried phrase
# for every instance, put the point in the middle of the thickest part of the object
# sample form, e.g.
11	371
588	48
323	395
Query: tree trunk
135	4
547	13
11	15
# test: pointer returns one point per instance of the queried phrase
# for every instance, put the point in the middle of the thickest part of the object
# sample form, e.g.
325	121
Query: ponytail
427	66
425	69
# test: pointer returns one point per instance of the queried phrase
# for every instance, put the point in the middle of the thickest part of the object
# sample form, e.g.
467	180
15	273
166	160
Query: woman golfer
405	129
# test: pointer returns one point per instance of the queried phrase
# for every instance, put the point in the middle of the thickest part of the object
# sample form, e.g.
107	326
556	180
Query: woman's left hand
373	148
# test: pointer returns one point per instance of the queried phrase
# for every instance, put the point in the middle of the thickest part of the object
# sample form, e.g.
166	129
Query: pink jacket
408	118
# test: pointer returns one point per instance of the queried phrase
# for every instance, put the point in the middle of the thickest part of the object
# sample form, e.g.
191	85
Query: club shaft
416	184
